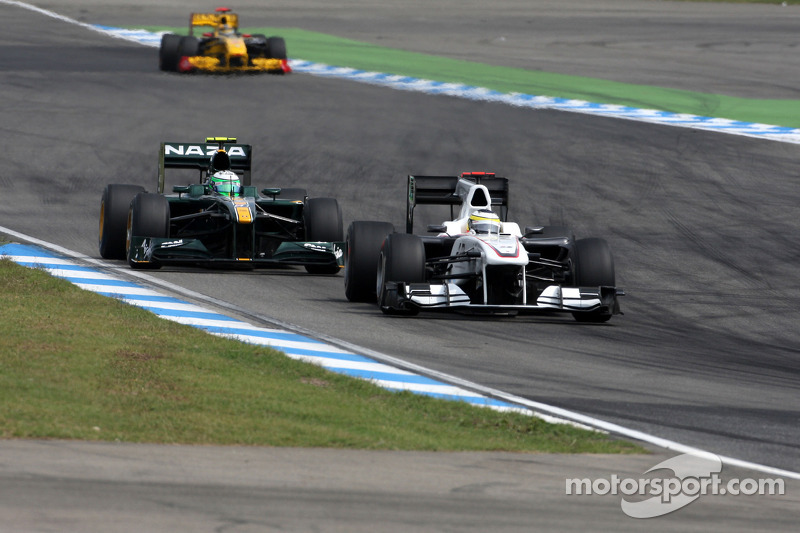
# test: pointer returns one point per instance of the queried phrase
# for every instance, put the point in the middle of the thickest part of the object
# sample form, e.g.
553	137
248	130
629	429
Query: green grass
77	365
328	49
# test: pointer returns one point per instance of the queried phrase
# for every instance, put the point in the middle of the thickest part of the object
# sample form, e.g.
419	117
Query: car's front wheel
114	205
402	259
168	55
323	223
276	48
148	217
364	240
593	266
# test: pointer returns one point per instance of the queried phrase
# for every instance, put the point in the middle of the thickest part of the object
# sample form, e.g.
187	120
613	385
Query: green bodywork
253	229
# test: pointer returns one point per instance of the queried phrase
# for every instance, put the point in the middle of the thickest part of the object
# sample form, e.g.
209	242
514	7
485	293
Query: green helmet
226	182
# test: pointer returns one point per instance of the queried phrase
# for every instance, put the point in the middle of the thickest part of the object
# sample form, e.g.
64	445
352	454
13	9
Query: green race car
220	219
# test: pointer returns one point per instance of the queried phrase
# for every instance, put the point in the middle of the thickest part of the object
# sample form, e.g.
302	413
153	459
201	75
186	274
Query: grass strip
77	365
332	50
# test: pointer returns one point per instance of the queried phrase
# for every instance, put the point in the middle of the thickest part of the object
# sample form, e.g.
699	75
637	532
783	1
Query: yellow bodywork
215	20
229	52
212	64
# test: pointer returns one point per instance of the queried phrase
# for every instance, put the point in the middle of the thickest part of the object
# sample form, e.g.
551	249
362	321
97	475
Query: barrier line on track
407	83
292	344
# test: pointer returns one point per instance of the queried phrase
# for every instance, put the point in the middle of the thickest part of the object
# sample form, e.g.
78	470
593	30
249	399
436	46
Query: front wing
161	251
213	65
450	297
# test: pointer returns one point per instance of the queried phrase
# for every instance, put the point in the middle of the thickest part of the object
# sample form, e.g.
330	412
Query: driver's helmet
226	182
224	28
484	221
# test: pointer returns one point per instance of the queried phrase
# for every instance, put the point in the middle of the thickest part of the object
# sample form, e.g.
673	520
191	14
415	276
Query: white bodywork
494	249
474	198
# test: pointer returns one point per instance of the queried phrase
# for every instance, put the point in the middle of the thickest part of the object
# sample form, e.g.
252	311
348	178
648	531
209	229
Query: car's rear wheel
323	222
402	259
364	240
276	48
168	56
593	266
114	206
148	217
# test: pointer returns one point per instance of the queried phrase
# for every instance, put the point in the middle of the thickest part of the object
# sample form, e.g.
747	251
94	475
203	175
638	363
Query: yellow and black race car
223	49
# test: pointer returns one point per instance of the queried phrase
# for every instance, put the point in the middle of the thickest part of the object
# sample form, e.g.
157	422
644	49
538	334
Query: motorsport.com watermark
693	475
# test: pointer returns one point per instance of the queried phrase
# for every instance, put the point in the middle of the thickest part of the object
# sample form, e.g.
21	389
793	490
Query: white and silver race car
478	262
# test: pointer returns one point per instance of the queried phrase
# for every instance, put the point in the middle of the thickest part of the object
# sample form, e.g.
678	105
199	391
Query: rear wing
441	190
214	20
199	156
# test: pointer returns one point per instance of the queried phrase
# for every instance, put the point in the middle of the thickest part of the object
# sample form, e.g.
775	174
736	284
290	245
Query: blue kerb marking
329	355
257	333
482	401
160	311
101	282
66	268
370	369
24	249
385	376
153	298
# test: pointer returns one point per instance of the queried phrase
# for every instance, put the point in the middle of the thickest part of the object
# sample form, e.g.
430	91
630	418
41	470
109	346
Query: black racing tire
257	46
293	193
593	266
276	48
322	218
402	259
114	205
364	241
168	56
189	46
148	217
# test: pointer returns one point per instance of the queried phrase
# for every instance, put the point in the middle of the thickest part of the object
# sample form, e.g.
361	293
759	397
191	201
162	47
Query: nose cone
236	47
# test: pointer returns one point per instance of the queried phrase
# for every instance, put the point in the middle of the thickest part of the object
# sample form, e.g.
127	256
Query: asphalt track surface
704	227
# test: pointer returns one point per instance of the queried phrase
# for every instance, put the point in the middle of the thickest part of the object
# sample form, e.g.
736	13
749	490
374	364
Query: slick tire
148	217
114	206
593	266
189	46
402	259
257	46
323	222
364	241
168	55
276	48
